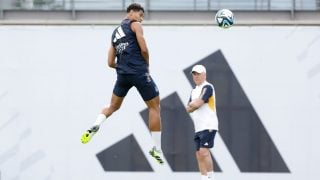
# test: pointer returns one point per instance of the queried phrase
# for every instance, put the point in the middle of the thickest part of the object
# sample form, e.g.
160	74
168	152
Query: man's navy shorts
204	139
143	82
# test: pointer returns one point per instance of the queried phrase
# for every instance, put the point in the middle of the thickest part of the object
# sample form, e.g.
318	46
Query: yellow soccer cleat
156	154
86	137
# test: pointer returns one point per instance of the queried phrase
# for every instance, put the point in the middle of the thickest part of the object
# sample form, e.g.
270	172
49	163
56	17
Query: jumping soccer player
129	55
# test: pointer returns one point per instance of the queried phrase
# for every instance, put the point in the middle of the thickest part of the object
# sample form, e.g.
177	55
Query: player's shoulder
136	24
208	85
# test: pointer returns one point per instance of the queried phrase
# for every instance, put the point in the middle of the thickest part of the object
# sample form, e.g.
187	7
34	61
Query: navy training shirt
128	52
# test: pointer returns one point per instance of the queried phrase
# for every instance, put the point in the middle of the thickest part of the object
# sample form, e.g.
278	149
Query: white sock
100	119
210	175
204	177
156	136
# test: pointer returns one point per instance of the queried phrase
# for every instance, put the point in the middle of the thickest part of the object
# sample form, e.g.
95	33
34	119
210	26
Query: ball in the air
224	18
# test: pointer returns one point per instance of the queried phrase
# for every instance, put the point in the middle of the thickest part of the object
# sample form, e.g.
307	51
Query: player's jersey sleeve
206	93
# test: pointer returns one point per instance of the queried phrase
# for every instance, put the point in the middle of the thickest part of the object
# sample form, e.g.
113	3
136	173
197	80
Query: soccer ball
224	18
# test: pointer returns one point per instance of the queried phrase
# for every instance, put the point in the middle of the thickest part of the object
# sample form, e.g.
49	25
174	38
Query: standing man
129	55
202	106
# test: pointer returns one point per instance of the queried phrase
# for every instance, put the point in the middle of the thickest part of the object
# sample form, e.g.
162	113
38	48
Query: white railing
160	5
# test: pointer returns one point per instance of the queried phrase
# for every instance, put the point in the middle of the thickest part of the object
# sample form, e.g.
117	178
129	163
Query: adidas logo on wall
240	127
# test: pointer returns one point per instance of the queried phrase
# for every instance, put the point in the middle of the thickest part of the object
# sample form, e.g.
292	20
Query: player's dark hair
135	7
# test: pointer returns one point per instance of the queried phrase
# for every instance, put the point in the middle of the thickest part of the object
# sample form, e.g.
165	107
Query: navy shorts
143	82
205	139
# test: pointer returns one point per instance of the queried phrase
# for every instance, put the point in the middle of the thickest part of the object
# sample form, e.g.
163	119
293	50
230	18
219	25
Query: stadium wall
54	81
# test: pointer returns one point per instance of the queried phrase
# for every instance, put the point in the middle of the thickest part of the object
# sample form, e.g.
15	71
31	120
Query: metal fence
162	5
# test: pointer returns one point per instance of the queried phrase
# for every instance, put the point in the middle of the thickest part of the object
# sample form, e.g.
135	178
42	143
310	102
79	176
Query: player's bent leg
154	114
115	104
155	127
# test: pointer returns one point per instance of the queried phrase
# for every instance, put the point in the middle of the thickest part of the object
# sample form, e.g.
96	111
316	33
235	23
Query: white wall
54	81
